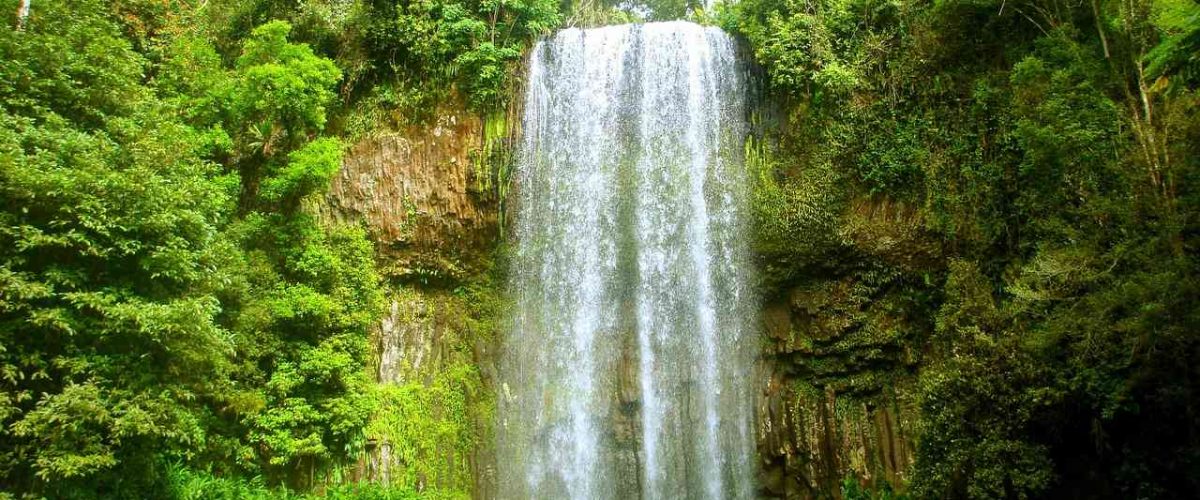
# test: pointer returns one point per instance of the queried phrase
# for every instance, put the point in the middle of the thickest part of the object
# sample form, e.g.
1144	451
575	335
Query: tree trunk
1100	28
22	13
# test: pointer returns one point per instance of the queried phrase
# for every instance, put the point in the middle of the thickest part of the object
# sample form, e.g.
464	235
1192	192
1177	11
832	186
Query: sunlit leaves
468	43
108	231
308	170
282	85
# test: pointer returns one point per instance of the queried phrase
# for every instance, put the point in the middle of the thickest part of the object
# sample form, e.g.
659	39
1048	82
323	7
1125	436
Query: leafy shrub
468	43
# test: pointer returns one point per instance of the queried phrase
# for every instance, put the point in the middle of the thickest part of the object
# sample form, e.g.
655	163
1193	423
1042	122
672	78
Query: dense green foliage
471	43
1027	171
176	316
402	59
112	262
167	294
991	203
186	484
304	294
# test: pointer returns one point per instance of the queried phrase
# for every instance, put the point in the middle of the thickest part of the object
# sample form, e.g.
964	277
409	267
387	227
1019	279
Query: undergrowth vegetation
1025	173
993	201
170	292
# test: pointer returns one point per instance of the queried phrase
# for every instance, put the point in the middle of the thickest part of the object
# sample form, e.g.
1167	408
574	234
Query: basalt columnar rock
835	395
830	408
423	195
840	358
417	191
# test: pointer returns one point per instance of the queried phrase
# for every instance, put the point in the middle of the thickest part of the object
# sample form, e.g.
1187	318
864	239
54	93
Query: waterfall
625	370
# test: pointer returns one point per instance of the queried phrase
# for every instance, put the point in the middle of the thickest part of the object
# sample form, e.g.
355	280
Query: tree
306	291
110	256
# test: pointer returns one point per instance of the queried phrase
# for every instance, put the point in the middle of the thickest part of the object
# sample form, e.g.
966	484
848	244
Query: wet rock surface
834	382
836	399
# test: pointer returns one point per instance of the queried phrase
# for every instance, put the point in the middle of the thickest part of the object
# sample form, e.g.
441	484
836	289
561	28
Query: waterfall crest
626	366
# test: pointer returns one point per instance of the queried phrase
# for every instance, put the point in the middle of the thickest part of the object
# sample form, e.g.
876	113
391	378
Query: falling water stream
626	366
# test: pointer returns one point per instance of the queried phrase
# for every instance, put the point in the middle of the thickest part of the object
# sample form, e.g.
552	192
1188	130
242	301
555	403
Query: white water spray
630	271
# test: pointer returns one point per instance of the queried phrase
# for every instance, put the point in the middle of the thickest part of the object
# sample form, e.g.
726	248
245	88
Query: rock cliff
424	194
836	396
418	192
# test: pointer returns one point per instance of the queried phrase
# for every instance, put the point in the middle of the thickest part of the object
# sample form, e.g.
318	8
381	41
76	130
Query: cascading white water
626	368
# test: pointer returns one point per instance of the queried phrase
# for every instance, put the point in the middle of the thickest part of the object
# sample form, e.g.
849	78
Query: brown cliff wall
840	358
426	195
836	396
416	191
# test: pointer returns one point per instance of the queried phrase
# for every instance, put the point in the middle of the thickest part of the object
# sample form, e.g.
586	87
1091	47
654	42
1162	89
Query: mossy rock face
846	318
838	399
822	437
890	232
833	332
433	426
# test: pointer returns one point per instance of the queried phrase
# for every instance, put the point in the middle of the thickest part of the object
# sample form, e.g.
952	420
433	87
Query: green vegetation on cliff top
1024	177
994	201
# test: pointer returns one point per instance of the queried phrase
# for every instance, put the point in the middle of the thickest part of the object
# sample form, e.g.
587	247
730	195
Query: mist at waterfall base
626	366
